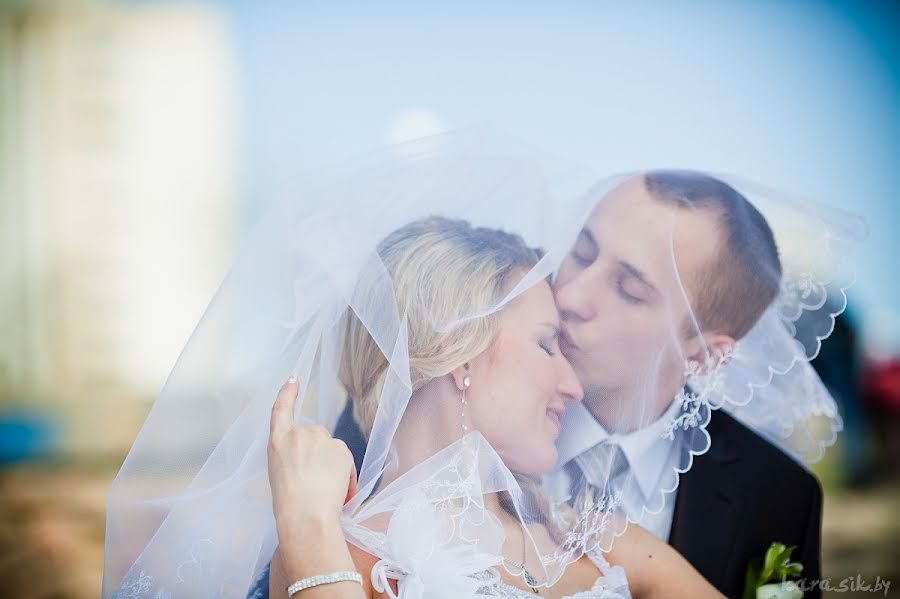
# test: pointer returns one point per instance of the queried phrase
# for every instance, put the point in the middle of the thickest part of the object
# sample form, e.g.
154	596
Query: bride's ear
460	375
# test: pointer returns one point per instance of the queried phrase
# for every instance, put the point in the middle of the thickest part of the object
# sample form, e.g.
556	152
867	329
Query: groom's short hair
731	292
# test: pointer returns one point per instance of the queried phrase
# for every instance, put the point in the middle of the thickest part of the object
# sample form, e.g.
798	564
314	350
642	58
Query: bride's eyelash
546	347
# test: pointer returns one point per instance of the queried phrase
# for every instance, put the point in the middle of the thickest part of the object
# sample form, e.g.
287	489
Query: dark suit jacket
349	432
736	499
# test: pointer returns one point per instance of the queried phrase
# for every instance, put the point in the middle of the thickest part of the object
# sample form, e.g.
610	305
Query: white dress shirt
651	462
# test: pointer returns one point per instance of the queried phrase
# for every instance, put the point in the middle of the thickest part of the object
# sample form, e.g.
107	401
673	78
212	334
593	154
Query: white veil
790	406
190	512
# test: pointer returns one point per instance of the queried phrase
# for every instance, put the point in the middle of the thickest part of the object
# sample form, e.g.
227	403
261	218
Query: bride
504	379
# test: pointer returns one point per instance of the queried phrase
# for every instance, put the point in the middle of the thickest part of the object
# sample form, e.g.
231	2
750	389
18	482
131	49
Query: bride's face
521	385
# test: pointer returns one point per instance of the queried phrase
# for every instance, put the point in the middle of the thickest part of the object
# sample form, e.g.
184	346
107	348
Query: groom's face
623	292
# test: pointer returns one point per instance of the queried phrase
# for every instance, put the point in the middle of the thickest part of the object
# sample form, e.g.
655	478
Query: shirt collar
646	449
580	432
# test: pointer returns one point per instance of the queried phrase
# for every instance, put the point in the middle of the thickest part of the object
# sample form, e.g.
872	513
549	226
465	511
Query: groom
618	299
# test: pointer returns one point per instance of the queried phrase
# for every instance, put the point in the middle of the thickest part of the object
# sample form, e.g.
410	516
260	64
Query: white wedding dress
611	584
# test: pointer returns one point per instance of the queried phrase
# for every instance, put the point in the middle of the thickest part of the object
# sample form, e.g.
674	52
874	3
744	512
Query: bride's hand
311	474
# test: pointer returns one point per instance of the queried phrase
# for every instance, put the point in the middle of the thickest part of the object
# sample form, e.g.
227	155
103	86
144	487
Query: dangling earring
467	381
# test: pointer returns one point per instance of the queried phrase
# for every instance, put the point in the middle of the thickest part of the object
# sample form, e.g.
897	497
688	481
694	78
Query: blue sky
803	96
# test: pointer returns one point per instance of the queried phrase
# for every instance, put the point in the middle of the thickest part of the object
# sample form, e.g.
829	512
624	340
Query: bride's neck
430	423
427	426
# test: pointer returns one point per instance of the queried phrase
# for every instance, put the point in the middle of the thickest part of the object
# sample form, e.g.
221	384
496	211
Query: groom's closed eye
585	250
632	285
629	290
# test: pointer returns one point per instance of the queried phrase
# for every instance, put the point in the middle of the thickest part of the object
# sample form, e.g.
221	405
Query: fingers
311	439
283	408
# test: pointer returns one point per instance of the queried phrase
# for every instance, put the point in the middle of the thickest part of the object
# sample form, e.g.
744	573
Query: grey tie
602	464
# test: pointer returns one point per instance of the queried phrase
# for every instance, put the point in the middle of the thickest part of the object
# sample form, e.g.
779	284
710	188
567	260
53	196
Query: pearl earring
467	381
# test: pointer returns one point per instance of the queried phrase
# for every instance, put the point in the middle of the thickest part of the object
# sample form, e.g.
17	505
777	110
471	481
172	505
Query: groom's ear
708	351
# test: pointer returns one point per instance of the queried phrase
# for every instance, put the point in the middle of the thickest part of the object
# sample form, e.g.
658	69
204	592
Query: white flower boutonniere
768	578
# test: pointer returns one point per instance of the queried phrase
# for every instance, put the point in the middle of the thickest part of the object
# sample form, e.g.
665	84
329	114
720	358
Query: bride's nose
568	386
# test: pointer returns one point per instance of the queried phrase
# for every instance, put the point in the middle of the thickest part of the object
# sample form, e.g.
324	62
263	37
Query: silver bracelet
314	581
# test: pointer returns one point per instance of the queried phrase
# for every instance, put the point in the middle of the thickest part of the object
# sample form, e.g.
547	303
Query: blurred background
140	140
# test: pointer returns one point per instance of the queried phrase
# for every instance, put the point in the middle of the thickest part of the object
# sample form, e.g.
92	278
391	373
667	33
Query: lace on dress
611	584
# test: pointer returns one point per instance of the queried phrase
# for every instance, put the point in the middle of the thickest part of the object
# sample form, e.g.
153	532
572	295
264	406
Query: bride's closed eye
547	346
550	343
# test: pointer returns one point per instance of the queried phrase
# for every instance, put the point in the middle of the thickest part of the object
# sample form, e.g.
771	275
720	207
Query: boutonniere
776	566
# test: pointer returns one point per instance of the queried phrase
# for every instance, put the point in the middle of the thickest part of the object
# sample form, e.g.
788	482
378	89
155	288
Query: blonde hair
442	270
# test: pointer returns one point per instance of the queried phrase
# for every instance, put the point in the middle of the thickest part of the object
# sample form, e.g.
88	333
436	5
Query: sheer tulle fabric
190	512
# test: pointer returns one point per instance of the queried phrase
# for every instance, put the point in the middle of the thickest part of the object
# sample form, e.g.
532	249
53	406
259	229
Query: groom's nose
576	299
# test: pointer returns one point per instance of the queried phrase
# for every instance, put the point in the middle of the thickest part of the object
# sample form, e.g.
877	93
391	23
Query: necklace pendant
530	580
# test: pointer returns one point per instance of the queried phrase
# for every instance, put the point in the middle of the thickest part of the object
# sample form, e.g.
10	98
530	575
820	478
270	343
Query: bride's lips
555	415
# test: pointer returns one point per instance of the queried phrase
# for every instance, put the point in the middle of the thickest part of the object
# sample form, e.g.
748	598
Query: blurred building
118	202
